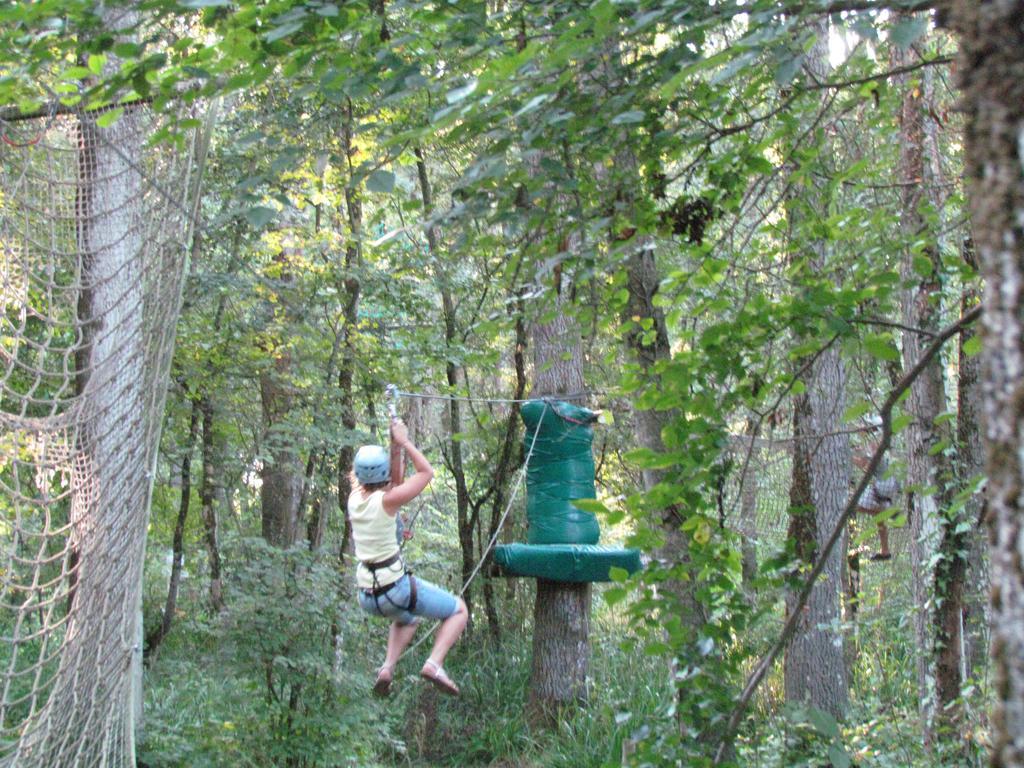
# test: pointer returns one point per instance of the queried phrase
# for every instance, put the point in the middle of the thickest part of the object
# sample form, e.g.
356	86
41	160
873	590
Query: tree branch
891	324
880	76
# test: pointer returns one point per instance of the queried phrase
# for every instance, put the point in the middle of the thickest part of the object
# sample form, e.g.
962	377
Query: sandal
382	686
433	672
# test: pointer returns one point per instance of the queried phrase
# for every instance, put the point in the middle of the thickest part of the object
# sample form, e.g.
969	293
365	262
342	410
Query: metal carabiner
391	393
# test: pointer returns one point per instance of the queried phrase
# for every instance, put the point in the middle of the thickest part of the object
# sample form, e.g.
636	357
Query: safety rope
501	524
392	393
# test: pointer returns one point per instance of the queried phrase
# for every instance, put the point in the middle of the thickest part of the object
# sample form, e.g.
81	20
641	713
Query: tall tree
561	612
207	494
929	473
971	456
991	77
351	290
280	473
453	372
156	637
814	666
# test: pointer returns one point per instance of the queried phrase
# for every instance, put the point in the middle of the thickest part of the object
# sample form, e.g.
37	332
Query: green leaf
381	181
456	95
703	533
617	574
614	595
109	117
922	265
260	216
77	73
904	33
633	116
972	346
882	347
901	422
857	410
645	458
786	70
277	33
533	103
590	505
838	757
823	723
96	62
656	648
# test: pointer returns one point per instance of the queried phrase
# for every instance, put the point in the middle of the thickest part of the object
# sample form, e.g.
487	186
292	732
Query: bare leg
447	634
883	539
449	631
399	637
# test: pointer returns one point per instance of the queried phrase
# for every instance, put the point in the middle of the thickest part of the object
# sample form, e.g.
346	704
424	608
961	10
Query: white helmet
372	465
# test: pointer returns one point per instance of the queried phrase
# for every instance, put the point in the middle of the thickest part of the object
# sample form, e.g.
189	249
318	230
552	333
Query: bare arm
397	464
410	488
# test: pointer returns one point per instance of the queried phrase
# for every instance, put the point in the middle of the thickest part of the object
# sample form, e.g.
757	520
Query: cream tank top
374	536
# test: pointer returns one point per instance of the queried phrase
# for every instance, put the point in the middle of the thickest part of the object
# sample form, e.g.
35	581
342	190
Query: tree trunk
751	456
316	463
504	469
453	407
815	666
178	542
350	317
646	340
929	476
561	612
561	648
991	74
971	464
280	474
207	490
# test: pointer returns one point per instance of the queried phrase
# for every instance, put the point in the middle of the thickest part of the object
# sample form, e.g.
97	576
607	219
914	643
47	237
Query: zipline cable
497	531
465	399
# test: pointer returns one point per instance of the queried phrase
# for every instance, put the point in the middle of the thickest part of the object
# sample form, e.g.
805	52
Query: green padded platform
564	562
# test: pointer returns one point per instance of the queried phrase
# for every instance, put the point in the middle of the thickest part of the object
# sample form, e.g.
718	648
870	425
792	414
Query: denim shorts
432	602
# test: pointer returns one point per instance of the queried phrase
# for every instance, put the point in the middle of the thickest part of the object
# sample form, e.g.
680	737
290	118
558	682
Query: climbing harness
377	591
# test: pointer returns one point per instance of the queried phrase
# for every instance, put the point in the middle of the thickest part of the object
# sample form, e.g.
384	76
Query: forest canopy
768	253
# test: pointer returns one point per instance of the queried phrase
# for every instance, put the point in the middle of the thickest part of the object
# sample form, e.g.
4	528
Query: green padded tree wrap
565	562
561	469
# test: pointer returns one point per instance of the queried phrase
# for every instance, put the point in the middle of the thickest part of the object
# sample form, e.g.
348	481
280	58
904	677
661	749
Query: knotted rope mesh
755	497
93	225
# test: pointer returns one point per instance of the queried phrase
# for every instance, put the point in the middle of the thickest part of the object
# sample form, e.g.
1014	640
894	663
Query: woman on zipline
386	587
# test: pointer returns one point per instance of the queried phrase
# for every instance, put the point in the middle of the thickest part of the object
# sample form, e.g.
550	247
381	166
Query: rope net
93	223
755	497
